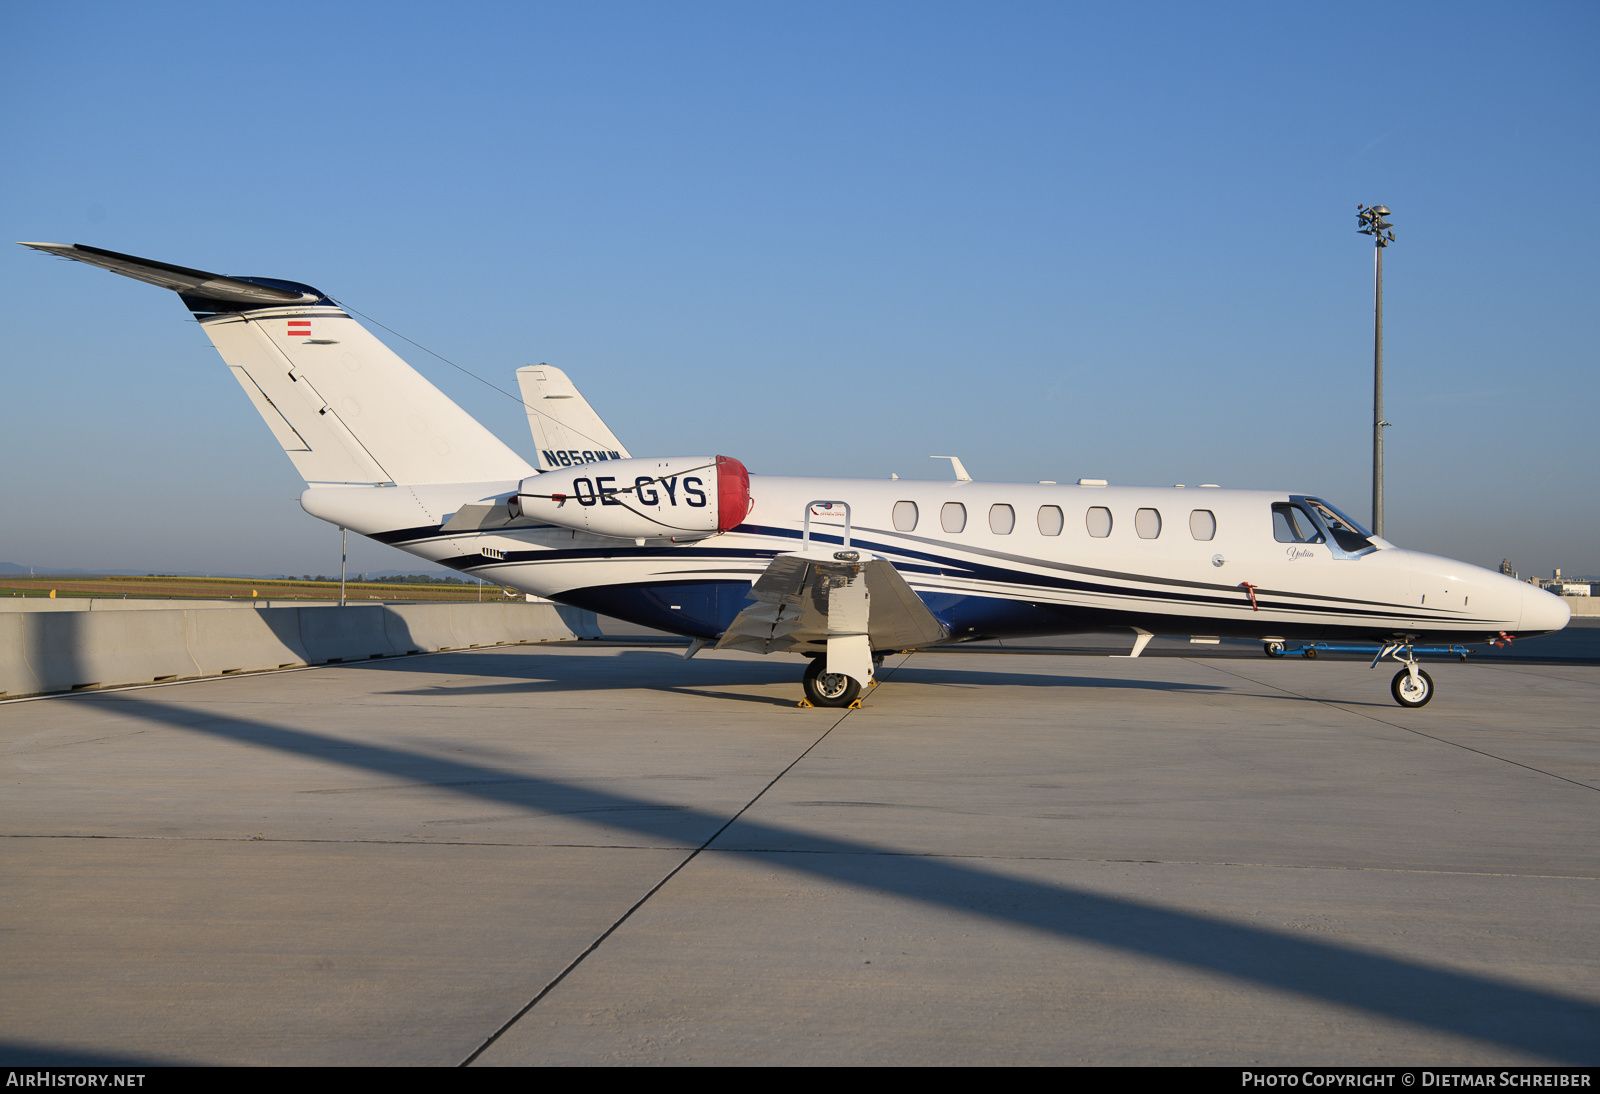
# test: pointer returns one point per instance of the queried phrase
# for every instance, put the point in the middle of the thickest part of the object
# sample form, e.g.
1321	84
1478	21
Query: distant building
1562	586
1556	583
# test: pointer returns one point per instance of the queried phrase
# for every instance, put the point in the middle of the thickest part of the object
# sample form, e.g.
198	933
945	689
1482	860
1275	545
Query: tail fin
345	408
565	427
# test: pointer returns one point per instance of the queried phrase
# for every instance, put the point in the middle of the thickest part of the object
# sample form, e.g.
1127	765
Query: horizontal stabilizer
344	407
180	278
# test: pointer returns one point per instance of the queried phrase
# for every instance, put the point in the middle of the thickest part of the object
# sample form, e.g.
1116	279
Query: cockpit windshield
1347	533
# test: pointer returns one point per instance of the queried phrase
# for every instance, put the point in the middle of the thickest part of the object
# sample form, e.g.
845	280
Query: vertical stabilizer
565	427
346	408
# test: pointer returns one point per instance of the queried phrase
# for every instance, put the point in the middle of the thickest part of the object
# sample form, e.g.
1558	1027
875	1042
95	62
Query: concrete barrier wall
55	650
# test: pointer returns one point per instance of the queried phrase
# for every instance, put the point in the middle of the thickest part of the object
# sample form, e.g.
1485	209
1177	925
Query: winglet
957	466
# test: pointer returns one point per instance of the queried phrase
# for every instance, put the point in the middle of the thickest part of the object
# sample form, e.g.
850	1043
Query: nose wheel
1411	687
829	689
1412	691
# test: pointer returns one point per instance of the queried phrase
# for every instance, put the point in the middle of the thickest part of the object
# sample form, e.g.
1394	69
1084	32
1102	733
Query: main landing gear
833	689
1411	687
829	689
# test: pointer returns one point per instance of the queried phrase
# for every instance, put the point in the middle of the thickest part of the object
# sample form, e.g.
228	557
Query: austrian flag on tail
299	328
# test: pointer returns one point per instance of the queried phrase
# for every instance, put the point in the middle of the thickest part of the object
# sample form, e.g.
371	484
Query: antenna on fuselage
955	465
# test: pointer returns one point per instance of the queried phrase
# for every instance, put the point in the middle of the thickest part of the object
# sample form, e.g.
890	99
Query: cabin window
1290	524
1147	522
1002	518
953	516
905	516
1203	524
1050	520
1099	521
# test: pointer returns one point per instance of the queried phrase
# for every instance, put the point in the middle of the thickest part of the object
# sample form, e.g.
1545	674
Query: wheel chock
803	703
855	705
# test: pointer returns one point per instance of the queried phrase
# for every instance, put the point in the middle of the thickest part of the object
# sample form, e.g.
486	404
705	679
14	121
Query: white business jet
839	570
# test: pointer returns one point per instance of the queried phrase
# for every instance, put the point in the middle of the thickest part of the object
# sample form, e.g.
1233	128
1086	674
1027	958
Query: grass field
226	588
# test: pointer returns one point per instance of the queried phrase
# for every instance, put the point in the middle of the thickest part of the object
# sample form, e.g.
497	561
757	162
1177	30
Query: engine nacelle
680	498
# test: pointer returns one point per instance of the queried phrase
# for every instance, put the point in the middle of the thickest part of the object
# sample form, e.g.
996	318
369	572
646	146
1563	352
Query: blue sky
1060	240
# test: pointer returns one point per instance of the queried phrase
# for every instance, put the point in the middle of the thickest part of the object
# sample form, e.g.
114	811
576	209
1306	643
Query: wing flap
805	598
899	619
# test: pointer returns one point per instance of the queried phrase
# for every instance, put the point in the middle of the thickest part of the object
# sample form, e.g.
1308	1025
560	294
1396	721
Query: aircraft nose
1542	611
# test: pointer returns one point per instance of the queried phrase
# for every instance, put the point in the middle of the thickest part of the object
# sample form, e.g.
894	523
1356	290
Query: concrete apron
1000	859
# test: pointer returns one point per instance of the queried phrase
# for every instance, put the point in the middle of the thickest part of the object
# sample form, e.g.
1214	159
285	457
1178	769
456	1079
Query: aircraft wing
810	600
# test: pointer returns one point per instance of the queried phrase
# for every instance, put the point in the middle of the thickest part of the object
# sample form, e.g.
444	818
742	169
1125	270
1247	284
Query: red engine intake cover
733	493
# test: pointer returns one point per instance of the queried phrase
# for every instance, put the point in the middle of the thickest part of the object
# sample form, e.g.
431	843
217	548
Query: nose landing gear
1411	687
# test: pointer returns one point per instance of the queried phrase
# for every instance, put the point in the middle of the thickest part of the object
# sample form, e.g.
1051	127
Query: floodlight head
1381	210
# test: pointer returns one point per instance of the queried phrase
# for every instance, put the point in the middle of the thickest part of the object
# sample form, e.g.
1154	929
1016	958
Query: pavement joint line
141	687
609	931
1336	705
116	688
313	840
1092	859
74	744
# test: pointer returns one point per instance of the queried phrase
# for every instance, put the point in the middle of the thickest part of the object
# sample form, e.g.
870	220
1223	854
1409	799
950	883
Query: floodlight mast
1373	221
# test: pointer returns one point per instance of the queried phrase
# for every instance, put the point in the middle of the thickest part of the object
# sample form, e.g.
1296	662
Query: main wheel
1412	695
829	689
1274	649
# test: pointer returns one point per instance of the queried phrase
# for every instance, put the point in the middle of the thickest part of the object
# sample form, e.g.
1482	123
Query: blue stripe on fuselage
934	565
